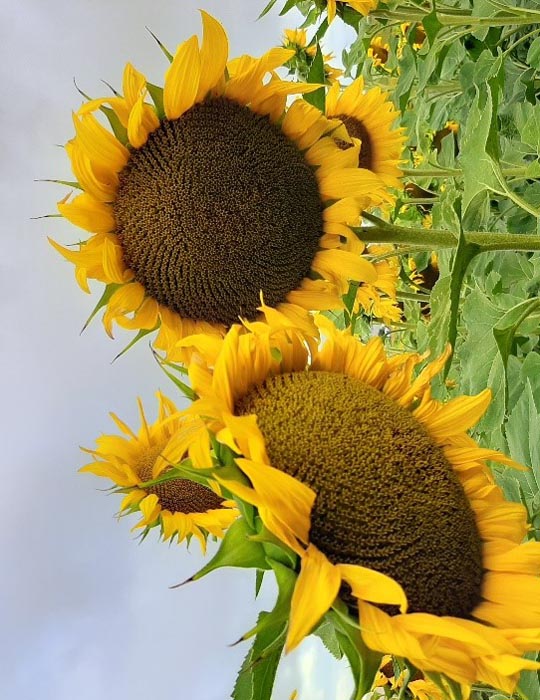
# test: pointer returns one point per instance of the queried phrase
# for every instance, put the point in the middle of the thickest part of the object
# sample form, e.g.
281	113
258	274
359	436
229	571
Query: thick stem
389	233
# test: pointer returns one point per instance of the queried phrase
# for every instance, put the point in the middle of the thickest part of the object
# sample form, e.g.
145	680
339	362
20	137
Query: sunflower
383	496
181	508
378	51
380	298
368	117
296	40
364	7
213	195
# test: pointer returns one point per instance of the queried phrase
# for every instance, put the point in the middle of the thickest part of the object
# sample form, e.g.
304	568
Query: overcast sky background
86	611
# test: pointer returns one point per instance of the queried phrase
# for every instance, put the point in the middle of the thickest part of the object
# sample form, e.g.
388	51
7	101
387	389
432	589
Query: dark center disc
177	495
387	498
215	207
357	130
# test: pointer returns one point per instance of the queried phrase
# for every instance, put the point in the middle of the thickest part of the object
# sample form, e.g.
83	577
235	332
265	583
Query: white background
85	611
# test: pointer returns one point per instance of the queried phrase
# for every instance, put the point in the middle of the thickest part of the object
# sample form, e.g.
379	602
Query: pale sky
86	611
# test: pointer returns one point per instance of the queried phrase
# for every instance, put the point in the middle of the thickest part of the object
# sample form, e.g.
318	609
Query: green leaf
259	577
446	295
522	437
529	684
267	8
480	360
505	329
478	143
288	6
255	680
279	616
236	549
533	54
363	661
316	75
432	26
327	634
406	78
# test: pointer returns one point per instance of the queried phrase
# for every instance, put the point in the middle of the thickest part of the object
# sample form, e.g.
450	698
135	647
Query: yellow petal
316	589
373	586
88	213
100	145
458	415
523	559
340	264
384	633
214	52
133	85
281	493
182	79
142	121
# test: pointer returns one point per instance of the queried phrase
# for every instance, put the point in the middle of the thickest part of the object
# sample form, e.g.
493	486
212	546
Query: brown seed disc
215	207
387	498
357	130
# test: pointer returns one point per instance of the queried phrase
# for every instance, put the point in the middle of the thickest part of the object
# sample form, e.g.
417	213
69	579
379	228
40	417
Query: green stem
453	19
431	172
486	21
517	171
390	233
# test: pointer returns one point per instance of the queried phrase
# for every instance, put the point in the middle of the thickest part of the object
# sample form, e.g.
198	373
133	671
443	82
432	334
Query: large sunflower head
211	200
141	467
384	497
369	117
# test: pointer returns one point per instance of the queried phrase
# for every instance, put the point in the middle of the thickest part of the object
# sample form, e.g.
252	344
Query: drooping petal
316	589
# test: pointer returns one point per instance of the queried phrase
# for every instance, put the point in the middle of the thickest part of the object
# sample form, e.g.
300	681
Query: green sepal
256	677
156	93
274	548
316	75
109	290
67	183
236	550
119	130
231	472
186	390
164	49
140	335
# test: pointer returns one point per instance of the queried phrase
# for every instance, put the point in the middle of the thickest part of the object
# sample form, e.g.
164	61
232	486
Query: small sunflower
385	498
379	299
181	508
296	40
364	7
213	195
378	51
369	117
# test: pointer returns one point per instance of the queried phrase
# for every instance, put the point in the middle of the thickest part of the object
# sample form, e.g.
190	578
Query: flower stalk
379	231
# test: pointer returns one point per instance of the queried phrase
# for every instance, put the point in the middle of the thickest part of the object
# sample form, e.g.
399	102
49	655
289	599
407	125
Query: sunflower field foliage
336	259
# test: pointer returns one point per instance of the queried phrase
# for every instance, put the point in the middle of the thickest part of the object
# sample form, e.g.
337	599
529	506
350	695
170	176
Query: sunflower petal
316	589
182	79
